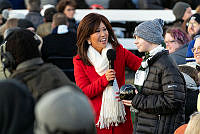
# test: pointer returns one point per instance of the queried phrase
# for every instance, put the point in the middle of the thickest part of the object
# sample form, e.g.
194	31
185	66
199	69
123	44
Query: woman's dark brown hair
60	7
88	26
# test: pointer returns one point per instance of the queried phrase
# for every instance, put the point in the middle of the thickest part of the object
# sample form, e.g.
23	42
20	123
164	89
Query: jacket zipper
157	126
135	122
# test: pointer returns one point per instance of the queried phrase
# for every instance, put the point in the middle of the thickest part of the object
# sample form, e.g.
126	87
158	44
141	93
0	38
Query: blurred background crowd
37	57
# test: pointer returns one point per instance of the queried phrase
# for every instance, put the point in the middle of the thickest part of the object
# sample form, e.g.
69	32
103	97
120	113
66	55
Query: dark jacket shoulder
41	78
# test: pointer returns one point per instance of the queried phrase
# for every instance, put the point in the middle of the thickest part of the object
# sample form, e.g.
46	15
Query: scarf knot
142	72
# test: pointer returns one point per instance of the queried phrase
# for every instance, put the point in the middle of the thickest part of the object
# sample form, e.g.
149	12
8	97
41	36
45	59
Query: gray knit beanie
179	9
151	31
64	110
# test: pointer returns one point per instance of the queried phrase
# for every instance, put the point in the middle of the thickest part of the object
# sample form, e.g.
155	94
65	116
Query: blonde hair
197	9
10	23
193	126
59	19
44	29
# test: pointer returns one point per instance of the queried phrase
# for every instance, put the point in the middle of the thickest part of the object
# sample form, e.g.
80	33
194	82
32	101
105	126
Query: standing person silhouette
160	94
92	74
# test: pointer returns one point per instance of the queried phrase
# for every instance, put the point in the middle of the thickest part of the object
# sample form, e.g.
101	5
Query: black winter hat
195	17
24	23
5	4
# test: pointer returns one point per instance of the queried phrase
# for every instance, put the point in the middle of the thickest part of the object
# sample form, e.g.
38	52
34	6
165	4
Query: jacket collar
157	56
61	29
29	63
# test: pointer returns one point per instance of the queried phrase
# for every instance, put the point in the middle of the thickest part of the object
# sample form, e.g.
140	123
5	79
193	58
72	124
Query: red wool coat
93	85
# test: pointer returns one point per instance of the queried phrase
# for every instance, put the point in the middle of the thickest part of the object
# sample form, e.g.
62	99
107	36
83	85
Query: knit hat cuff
155	39
195	17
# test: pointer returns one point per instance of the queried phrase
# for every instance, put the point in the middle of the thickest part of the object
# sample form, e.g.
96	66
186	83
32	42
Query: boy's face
142	45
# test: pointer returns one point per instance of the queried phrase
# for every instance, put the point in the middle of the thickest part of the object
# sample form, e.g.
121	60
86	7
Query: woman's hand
110	74
127	102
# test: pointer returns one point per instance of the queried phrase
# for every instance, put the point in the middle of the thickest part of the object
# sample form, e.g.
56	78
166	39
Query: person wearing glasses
193	29
196	51
176	40
68	8
191	127
194	25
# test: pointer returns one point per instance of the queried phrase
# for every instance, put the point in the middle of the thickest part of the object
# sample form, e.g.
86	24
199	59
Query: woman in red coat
92	74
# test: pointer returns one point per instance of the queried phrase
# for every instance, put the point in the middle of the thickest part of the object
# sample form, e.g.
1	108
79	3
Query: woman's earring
89	42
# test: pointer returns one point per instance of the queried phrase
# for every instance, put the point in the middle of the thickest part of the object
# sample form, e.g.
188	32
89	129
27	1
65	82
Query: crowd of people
57	77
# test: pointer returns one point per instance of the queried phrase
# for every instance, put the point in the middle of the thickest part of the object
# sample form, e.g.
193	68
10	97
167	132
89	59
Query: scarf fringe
112	112
104	123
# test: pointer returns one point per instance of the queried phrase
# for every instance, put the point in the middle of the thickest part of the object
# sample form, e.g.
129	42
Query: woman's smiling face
99	39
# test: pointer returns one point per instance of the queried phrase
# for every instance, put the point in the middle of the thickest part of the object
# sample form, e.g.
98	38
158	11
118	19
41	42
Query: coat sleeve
189	51
91	89
131	60
44	50
172	97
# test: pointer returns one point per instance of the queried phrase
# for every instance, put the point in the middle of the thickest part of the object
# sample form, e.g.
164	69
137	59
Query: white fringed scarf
112	111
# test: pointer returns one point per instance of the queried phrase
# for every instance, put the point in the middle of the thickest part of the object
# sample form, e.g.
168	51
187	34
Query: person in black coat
160	94
60	43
